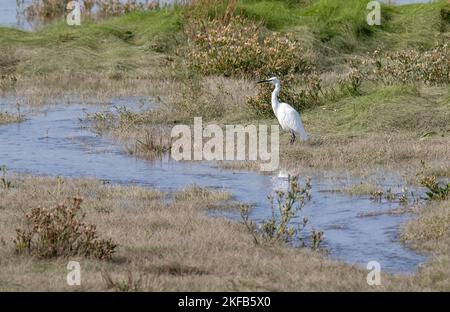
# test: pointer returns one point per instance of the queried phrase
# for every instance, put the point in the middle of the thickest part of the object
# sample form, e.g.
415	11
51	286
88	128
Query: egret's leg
292	137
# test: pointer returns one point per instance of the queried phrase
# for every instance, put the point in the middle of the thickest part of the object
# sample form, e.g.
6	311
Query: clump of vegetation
150	141
5	183
197	193
130	284
436	191
6	117
8	63
445	15
278	228
153	142
62	232
240	47
8	60
411	65
351	83
376	195
7	81
403	197
119	118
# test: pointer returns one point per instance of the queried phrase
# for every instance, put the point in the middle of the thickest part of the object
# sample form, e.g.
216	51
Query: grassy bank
169	243
98	59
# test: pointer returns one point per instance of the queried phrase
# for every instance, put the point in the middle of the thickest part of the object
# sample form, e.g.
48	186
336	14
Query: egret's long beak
262	81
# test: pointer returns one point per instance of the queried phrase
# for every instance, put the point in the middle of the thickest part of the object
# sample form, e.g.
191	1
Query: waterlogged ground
54	142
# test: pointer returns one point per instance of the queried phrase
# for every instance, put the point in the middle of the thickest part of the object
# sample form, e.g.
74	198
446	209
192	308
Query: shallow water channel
53	141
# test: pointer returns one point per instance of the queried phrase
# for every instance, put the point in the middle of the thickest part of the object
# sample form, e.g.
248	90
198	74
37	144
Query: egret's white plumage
287	116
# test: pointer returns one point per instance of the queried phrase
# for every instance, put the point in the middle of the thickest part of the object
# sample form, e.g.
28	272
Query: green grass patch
342	25
385	109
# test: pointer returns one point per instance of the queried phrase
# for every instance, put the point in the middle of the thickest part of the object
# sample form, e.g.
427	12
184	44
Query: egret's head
272	80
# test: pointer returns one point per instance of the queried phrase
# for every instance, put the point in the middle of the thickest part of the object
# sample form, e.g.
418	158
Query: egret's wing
290	118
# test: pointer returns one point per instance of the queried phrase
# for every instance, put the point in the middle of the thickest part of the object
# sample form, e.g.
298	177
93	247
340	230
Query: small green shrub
436	191
61	231
377	196
285	207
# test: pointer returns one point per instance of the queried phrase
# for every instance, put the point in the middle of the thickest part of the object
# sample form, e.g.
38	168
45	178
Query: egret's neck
275	102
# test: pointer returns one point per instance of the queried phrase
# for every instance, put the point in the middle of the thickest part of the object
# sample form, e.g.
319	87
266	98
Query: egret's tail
302	132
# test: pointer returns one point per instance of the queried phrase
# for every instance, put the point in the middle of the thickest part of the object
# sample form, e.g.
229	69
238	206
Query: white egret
287	116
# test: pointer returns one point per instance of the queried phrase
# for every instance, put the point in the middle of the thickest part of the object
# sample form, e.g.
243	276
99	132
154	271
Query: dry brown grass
143	142
430	232
168	244
56	88
217	99
371	152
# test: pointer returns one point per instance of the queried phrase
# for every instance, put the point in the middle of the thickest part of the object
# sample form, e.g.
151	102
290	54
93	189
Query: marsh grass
6	118
169	245
214	98
197	193
131	283
367	127
430	230
173	245
370	153
153	143
404	197
363	188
